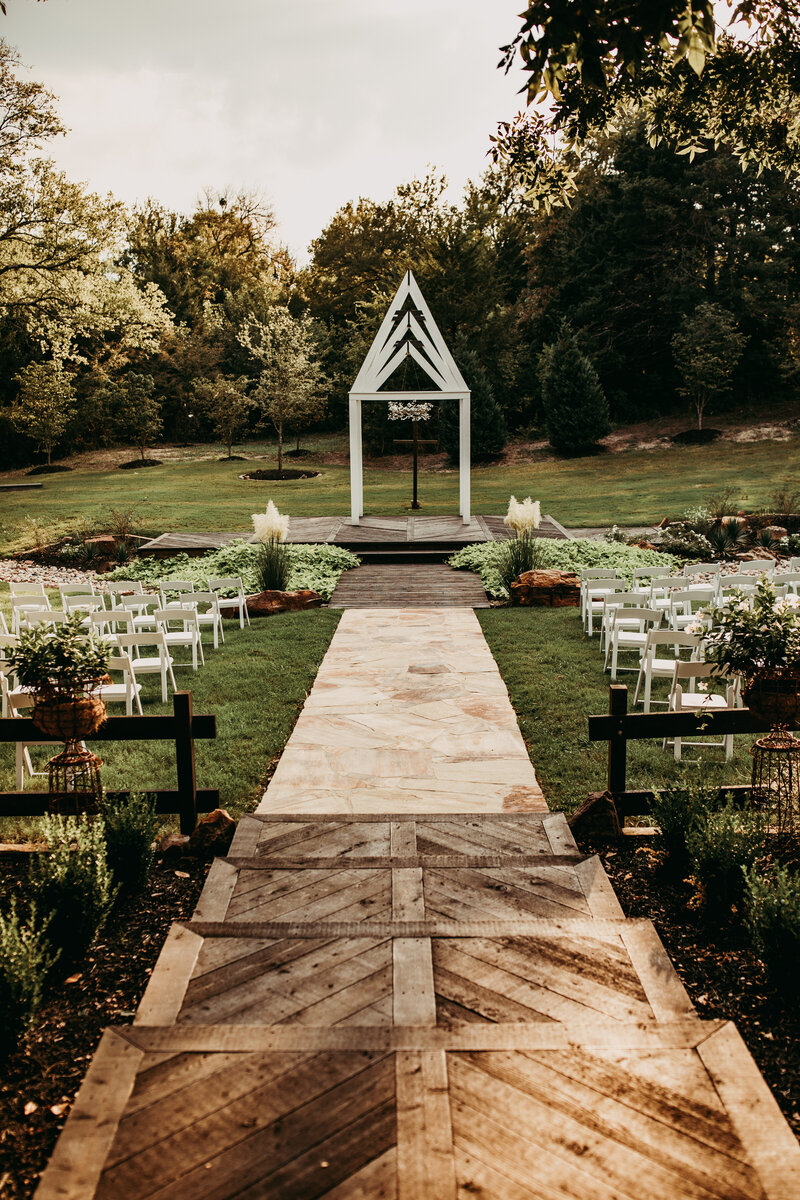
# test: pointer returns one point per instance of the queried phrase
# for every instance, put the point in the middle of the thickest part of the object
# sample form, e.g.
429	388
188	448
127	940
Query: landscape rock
213	834
173	847
597	817
546	589
264	604
776	531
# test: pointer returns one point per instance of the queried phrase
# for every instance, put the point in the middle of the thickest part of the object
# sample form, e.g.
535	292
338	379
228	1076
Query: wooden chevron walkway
419	1006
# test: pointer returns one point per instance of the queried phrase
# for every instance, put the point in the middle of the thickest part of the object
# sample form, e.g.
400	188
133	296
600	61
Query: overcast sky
312	102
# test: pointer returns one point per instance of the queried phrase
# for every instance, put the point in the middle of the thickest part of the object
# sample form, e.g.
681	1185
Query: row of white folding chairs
658	590
130	593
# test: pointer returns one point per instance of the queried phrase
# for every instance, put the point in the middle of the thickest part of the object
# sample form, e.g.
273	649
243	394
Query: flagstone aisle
408	714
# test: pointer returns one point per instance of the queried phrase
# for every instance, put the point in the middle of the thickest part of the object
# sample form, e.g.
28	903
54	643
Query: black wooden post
184	757
617	743
415	444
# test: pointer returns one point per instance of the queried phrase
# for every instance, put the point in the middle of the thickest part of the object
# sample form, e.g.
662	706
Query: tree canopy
699	78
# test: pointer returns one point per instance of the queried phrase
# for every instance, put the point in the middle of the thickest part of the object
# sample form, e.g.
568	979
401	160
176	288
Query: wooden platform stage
419	1008
413	531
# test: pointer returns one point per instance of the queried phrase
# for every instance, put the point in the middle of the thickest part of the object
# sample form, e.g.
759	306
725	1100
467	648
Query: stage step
402	552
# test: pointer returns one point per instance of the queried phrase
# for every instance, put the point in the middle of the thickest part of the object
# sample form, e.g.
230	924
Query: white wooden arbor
408	331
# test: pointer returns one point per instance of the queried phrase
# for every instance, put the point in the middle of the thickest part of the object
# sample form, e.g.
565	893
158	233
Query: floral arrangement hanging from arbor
410	410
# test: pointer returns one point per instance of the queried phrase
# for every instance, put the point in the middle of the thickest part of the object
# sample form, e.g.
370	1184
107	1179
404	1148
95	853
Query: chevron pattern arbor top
408	331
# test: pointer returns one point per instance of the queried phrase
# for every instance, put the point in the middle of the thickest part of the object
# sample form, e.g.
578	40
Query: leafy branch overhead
698	75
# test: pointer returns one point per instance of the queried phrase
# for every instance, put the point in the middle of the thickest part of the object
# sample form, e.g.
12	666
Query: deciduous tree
45	404
227	405
707	349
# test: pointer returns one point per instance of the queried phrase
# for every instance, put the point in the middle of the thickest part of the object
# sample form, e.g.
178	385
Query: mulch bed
717	966
286	473
38	1083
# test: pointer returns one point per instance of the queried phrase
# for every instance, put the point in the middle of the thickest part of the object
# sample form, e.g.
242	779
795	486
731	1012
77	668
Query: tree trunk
280	447
142	449
49	448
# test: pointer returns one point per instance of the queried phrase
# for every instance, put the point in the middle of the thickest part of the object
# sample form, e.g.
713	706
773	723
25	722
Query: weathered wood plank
425	1160
413	988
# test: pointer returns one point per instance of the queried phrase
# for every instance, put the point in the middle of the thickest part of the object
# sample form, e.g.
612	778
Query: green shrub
728	539
131	825
572	554
272	566
488	429
789	545
678	811
518	555
72	884
575	407
720	846
315	567
772	916
25	960
683	541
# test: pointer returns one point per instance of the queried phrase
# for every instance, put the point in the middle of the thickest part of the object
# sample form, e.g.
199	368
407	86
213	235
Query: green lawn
555	679
255	684
628	489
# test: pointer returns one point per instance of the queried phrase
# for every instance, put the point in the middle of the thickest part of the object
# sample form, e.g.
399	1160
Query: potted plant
62	668
759	640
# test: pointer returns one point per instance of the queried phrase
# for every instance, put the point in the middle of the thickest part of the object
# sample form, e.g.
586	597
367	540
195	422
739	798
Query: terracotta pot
69	718
774	697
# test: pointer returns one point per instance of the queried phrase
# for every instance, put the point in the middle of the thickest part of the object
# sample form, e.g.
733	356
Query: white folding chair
26	589
685	606
14	700
173	588
657	663
189	633
794	563
22	605
76	589
629	634
759	566
231	583
129	594
702	568
594	598
647	573
206	605
149	664
125	692
634	599
662	586
788	579
685	696
42	616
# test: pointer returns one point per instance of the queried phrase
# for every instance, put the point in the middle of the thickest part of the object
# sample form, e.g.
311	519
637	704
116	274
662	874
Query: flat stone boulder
212	835
546	589
597	817
264	604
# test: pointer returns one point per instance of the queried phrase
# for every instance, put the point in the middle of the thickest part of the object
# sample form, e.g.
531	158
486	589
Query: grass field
555	679
631	488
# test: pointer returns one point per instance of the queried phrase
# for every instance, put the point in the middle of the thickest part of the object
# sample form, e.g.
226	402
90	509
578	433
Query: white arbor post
356	462
409	331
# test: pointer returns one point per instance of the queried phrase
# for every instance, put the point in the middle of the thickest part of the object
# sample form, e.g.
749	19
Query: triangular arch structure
408	331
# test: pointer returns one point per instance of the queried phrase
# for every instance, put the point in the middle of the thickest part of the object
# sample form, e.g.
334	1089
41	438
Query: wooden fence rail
618	727
183	728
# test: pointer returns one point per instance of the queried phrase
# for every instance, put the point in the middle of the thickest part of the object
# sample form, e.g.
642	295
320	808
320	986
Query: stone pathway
408	713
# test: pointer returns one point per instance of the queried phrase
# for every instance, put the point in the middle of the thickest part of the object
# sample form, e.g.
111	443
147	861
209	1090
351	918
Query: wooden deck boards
417	585
389	531
498	1031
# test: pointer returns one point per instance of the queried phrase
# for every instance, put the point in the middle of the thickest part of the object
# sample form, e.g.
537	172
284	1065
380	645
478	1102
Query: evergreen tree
575	406
488	430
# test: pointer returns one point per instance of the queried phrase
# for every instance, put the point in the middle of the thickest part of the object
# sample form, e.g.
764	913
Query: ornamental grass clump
72	885
25	960
772	917
518	555
270	526
523	516
273	566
